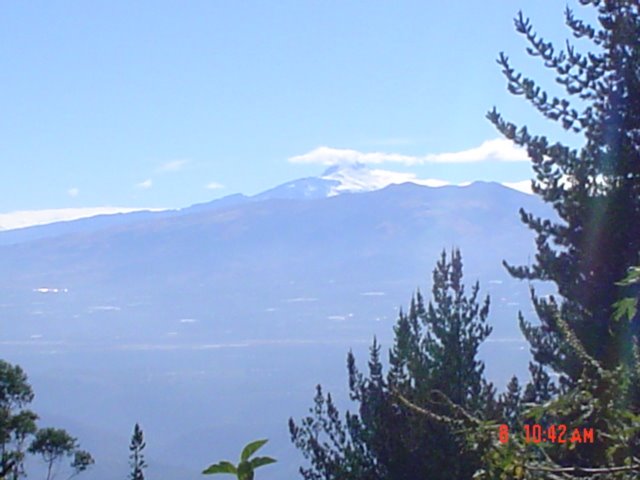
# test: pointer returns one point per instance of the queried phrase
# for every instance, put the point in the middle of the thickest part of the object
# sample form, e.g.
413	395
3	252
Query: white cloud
214	186
173	165
340	156
146	184
498	149
359	178
522	186
28	218
73	192
491	150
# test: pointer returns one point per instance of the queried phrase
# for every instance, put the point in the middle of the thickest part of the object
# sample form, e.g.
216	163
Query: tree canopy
433	363
588	333
19	433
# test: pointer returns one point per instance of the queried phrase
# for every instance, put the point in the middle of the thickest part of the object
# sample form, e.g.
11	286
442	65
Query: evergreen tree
595	190
511	404
455	327
136	455
588	334
540	388
433	363
598	403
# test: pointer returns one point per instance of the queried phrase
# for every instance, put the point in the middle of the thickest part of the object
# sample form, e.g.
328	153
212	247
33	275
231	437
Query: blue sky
166	104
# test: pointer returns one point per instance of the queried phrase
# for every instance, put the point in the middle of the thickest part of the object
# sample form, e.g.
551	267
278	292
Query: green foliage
433	415
19	433
17	423
246	466
511	404
136	455
588	334
595	189
598	401
627	308
82	460
433	364
53	444
15	391
221	467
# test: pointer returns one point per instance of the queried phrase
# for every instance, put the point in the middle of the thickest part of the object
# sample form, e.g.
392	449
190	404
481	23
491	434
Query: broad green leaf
245	471
625	308
252	448
261	461
221	467
632	277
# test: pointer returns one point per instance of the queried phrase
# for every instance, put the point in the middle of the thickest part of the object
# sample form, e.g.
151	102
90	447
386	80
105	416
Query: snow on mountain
358	177
304	188
336	180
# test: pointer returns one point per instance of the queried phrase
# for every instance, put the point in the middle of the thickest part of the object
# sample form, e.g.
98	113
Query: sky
165	104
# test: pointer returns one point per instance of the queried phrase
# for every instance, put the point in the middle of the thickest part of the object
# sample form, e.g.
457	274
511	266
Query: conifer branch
423	411
462	424
576	345
585	470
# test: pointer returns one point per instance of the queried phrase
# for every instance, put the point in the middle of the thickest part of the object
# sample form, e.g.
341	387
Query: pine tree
511	404
433	363
540	388
456	326
595	190
136	457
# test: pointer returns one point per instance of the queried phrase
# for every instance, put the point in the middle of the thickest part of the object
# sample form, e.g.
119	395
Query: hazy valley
211	325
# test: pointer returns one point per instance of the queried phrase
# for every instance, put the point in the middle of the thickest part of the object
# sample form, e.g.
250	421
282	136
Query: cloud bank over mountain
499	149
28	218
338	179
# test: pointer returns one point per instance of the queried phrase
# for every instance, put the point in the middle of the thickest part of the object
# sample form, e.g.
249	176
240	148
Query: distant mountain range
336	180
309	238
186	311
296	246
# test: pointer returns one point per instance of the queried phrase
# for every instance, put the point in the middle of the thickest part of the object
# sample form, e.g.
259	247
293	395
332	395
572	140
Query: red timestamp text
560	433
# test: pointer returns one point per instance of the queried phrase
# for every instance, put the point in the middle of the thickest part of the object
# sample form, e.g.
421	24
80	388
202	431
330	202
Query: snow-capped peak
358	177
351	178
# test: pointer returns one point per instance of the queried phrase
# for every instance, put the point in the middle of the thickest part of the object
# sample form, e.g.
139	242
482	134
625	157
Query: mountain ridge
200	316
335	180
